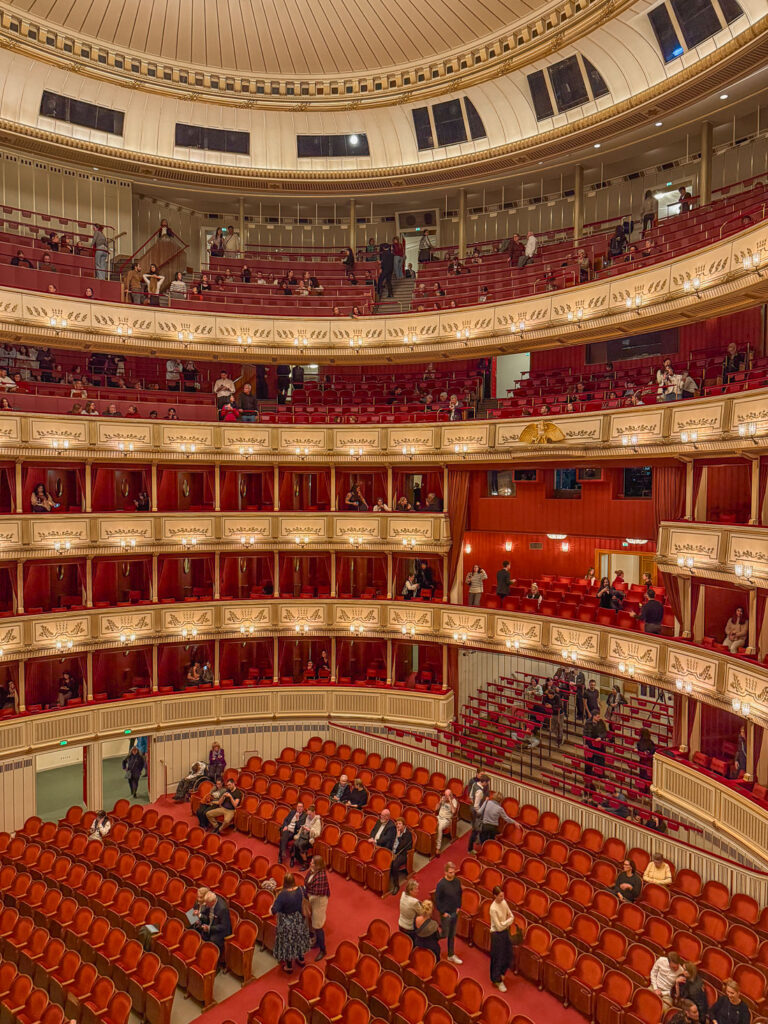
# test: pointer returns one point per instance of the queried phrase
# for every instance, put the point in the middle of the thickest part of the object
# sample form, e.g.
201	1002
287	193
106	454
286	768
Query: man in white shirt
383	832
531	245
224	388
173	370
664	974
446	810
232	242
7	383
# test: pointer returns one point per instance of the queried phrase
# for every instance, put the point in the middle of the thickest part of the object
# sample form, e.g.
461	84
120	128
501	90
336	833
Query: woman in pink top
398	250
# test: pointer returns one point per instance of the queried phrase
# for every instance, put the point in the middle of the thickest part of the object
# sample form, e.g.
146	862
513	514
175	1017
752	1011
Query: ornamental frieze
692	668
583	641
634	652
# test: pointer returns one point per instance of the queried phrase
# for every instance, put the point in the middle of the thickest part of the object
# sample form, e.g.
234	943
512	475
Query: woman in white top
101	826
178	288
410	906
501	945
308	833
446	811
475	579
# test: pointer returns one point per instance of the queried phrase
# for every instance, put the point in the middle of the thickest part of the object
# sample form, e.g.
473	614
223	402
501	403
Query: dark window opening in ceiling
353	144
87	115
665	33
731	10
217	140
596	81
697	20
542	104
568	84
423	128
475	122
449	123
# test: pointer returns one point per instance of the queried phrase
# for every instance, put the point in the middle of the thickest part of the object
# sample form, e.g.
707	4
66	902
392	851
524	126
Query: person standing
402	844
318	892
398	251
100	248
289	829
232	244
387	264
650	210
501	945
448	896
531	244
492	813
133	766
503	580
475	579
426	933
616	700
479	789
217	761
651	614
133	287
409	907
247	404
292	936
446	811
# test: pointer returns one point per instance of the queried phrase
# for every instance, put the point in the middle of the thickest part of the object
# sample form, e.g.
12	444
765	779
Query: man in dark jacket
401	844
133	766
289	828
283	382
383	832
651	614
215	922
503	580
247	404
387	264
342	791
359	795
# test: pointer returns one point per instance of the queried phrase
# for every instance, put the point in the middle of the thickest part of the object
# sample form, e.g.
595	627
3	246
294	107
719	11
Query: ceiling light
597	145
557	536
353	140
723	95
659	124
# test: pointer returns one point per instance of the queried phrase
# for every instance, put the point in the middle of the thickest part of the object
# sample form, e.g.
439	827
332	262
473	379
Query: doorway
59	782
608	562
113	781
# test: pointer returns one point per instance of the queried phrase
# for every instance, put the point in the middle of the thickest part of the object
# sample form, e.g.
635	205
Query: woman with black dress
628	882
730	1008
292	935
427	933
690	986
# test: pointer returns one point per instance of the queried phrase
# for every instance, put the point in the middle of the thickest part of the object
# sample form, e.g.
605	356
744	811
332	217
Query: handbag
306	908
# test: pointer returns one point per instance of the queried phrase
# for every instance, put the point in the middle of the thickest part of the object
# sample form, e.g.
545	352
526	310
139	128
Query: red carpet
350	910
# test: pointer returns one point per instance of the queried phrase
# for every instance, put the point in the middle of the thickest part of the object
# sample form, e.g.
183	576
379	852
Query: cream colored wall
186	223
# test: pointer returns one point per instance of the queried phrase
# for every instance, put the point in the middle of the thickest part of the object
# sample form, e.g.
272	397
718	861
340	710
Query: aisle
350	910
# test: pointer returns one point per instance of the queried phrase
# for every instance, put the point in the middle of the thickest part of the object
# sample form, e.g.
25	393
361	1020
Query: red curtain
672	586
458	512
763	485
693	710
668	494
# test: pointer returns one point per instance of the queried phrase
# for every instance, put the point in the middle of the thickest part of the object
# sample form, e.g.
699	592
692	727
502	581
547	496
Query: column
216	578
752	624
155	682
390	581
333	574
89	676
445	579
685	596
94	763
754	509
21	687
334	666
334	501
241	217
390	673
216	662
684	702
276	571
153	487
88	486
217	488
352	240
20	587
749	774
705	168
578	203
19	492
389	486
445	490
275	669
700	505
276	487
154	596
445	667
462	223
89	583
689	491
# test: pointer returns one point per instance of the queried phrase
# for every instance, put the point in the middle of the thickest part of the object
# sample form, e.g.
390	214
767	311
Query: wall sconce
302	453
627	669
124	330
409	630
185	336
690	437
302	628
680	685
409	451
189	542
460	638
692	284
510	644
356	344
569	655
127	638
409	542
125	448
557	536
462	334
188	449
578	315
62	545
741	707
748	430
636	540
752	262
127	542
565	546
356	541
356	453
467	549
60	445
460	449
629	439
250	630
248	340
357	628
300	342
507	545
519	327
742	570
249	541
189	632
246	451
410	340
685	561
635	303
58	322
64	645
301	541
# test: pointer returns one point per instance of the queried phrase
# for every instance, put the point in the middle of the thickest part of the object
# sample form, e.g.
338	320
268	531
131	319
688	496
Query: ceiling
262	37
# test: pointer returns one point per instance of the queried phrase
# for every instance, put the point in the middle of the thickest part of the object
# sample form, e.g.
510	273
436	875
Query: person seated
736	631
402	843
306	835
534	594
667	381
608	596
359	795
9	697
664	975
142	502
212	800
383	832
41	501
192	674
658	871
403	505
190	782
411	587
355	500
733	362
628	884
688	1013
20	260
68	689
689	988
289	828
100	827
381	506
730	1008
617	244
687	386
342	791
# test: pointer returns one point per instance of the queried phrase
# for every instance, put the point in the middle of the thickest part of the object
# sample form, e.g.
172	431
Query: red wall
728	491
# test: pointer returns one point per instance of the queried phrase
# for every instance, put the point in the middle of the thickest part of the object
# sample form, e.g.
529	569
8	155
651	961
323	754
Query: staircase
402	294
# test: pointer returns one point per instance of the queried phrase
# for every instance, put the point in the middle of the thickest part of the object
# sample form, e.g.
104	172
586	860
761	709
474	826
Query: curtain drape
694	707
668	494
458	514
672	586
762	486
696	589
